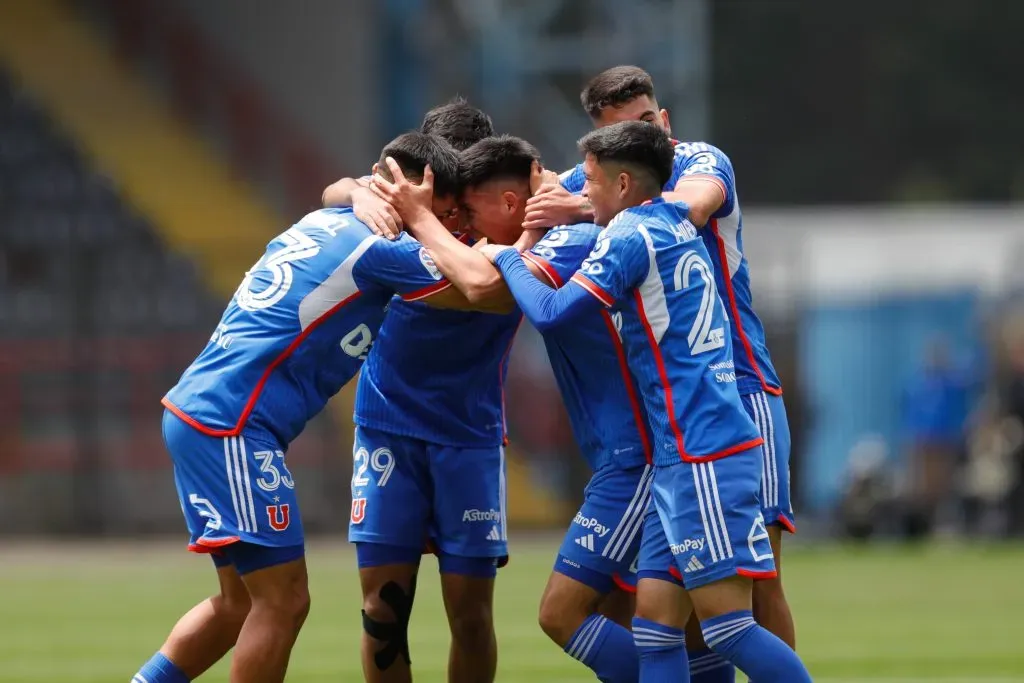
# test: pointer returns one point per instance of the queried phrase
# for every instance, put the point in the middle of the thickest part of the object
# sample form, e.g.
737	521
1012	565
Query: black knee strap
394	634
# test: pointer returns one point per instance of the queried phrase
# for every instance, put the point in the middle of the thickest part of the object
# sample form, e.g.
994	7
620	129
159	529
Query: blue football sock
662	651
707	666
754	650
159	669
607	649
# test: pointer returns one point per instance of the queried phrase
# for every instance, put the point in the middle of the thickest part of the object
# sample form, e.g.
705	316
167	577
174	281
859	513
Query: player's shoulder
565	175
662	221
687	150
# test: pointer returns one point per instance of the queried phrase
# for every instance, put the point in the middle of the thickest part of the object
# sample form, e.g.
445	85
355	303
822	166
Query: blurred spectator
936	406
1012	401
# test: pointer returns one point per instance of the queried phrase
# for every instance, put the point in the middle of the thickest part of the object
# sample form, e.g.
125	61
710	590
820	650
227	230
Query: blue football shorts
232	489
705	523
414	494
601	546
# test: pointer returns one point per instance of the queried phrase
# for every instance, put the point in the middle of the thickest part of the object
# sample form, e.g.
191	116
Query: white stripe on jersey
632	519
728	233
228	452
652	291
337	287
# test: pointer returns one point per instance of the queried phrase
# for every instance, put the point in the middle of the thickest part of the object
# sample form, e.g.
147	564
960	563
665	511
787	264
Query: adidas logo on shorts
586	542
494	534
693	565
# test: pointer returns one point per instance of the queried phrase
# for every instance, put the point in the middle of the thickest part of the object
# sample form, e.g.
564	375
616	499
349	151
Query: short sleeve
618	262
562	251
402	266
573	179
701	160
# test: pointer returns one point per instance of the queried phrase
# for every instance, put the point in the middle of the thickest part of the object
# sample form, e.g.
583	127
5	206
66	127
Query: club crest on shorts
358	510
279	516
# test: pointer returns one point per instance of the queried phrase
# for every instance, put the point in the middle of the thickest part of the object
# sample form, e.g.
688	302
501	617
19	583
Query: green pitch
92	614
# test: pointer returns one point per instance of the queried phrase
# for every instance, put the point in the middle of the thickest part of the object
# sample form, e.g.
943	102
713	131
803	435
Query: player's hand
491	251
377	214
553	205
409	200
539	177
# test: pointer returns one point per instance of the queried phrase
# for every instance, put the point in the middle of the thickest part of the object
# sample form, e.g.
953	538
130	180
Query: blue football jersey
299	326
438	375
723	237
589	363
651	266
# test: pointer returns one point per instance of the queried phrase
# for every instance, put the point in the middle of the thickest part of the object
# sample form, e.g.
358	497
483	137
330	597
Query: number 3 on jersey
298	246
702	337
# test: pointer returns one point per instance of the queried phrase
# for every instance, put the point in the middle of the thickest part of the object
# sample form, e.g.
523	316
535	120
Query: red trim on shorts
207	546
622	585
786	523
757	576
676	574
254	396
737	321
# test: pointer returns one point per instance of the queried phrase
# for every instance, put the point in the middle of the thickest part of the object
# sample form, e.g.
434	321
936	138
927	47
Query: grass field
92	614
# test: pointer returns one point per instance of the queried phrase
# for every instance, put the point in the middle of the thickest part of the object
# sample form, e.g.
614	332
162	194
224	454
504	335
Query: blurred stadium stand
149	149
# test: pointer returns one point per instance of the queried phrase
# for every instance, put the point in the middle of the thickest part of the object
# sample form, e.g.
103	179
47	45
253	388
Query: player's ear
376	167
509	201
663	114
625	184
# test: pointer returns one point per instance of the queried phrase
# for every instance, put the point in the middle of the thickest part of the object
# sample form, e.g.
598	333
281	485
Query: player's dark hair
414	150
614	88
502	157
640	147
458	122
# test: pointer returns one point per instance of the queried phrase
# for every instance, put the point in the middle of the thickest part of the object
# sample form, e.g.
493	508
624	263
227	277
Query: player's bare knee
473	626
232	607
558	624
289	602
560	616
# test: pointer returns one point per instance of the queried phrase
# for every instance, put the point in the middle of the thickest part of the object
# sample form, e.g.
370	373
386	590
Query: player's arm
705	183
553	205
543	306
617	263
404	267
377	214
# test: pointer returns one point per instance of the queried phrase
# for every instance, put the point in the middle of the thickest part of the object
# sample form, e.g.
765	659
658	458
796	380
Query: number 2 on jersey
701	337
382	461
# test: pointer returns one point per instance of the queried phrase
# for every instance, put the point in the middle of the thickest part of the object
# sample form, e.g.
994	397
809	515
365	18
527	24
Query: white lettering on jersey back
652	291
338	286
